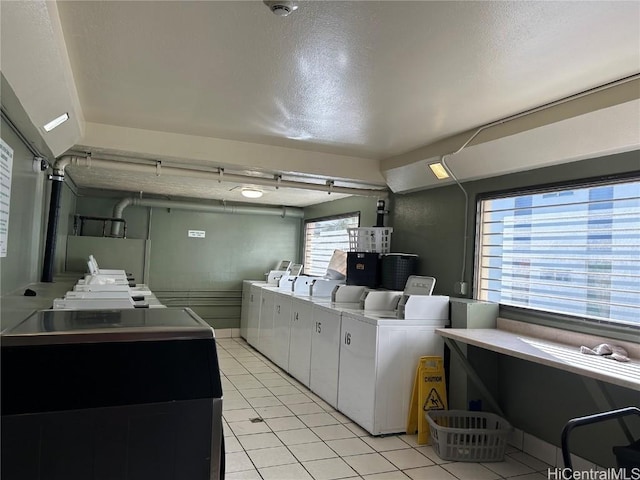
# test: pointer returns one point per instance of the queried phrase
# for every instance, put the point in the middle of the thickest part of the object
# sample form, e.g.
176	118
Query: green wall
22	265
65	224
111	253
365	205
540	400
204	274
235	247
430	223
536	399
137	218
28	215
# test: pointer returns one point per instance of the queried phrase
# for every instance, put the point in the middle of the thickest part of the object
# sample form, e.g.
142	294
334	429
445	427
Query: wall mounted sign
196	233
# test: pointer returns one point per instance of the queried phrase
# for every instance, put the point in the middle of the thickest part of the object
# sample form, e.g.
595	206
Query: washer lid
48	327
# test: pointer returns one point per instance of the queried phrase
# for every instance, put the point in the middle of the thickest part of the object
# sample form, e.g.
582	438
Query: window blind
322	237
572	251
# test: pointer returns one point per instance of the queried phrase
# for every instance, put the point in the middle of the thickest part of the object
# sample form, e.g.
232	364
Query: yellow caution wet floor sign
429	393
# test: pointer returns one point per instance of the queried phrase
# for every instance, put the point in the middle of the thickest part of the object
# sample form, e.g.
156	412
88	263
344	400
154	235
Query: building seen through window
574	251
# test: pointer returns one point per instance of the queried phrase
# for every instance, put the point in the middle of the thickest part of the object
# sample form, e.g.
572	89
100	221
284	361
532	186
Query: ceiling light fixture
251	193
439	171
56	122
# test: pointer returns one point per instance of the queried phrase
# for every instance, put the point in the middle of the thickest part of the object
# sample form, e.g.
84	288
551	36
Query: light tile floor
299	436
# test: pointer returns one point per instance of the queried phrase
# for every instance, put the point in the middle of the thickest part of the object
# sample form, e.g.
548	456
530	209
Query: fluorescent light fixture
251	193
56	121
439	171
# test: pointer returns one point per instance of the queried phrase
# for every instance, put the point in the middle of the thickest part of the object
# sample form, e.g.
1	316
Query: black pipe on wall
380	213
52	227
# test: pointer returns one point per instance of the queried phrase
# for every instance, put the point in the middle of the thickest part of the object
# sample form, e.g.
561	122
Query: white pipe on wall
159	170
119	207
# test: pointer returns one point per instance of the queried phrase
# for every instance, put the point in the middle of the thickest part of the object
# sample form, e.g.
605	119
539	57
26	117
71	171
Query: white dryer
378	356
246	305
290	286
253	319
325	340
265	324
306	293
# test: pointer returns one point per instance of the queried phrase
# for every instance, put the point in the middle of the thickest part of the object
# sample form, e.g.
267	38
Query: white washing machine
317	290
300	341
279	321
274	318
265	324
325	341
252	299
269	320
281	329
101	300
246	305
320	291
282	316
112	287
112	303
253	319
378	356
256	307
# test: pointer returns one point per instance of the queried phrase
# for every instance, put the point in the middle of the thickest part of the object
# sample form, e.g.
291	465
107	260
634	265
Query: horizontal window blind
574	251
322	237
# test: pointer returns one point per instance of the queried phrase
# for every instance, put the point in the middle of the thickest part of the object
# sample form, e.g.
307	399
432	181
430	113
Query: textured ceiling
329	92
371	79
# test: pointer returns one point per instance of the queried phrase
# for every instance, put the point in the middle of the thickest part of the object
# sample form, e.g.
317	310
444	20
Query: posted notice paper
6	165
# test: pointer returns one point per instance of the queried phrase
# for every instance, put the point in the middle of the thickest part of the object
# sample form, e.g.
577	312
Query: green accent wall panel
365	205
65	223
234	248
23	262
137	218
536	399
430	223
110	253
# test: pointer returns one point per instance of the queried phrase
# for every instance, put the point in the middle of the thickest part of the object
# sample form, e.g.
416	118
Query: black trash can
396	269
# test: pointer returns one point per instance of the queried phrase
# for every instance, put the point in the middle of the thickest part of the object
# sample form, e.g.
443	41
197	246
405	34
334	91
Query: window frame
353	214
611	329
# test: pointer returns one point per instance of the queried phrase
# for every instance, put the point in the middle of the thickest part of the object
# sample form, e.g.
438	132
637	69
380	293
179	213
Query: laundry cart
111	394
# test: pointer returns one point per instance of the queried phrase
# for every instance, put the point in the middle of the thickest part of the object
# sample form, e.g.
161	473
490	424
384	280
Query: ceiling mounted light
251	193
55	122
439	171
282	8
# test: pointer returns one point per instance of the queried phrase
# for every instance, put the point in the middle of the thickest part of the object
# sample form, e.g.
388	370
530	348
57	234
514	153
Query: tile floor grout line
243	359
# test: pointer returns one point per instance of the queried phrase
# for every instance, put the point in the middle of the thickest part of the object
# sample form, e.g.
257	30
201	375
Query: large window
324	235
572	251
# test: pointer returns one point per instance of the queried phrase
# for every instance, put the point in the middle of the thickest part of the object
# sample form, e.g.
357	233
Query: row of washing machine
106	289
355	348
